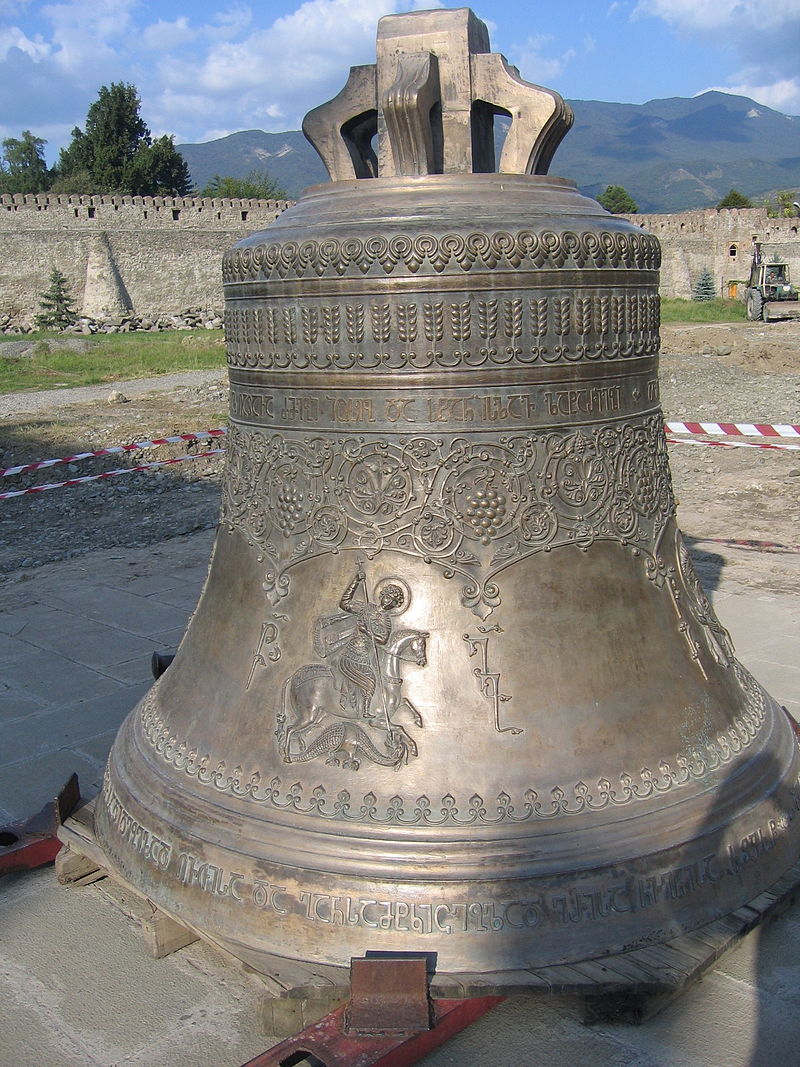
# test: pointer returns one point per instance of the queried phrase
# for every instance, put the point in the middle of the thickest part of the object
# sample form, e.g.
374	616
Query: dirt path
748	372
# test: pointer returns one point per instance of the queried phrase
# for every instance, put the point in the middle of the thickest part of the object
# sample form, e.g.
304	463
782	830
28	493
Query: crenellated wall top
38	200
743	223
109	212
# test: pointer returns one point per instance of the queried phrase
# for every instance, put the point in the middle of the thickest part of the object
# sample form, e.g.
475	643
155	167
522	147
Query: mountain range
671	155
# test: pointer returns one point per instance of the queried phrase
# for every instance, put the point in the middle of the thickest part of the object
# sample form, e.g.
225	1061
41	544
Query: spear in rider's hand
374	645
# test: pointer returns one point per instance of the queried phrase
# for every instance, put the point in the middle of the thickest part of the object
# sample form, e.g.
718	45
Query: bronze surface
452	684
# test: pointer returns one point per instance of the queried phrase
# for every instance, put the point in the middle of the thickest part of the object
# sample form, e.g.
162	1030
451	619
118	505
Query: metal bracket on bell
430	101
388	995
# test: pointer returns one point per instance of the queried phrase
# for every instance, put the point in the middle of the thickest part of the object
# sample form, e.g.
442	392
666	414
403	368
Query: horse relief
351	707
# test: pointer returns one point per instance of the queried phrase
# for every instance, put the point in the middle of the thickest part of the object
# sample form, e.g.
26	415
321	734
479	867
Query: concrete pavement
75	981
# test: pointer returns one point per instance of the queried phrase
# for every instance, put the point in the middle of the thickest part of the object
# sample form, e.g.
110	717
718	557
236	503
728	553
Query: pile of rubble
191	319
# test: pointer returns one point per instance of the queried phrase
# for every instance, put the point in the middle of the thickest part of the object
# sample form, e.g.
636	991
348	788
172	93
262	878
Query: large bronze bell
452	684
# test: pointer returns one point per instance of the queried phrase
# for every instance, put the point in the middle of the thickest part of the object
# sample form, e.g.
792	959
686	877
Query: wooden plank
660	963
563	978
600	976
81	840
73	866
163	935
697	950
636	975
675	957
283	1017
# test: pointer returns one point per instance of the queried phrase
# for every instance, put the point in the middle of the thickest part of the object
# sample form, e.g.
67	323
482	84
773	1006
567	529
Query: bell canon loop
452	684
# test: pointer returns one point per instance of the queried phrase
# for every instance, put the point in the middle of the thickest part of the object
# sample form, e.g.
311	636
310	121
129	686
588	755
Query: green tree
782	207
22	168
734	199
704	288
618	201
77	181
118	153
257	185
56	304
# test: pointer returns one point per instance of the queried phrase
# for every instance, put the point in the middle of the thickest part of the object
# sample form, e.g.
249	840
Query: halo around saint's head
396	585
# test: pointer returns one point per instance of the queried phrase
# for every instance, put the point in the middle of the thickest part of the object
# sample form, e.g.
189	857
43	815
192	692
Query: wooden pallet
629	987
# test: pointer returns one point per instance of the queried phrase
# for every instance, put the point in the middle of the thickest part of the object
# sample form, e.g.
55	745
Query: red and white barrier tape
734	429
746	542
731	444
109	474
135	446
719	429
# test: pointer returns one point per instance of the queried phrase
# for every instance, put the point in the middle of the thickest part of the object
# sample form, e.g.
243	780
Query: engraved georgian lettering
400	409
251	405
301	409
351	410
265	896
600	401
153	849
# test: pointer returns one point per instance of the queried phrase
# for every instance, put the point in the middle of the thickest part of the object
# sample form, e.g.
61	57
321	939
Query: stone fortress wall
161	255
720	241
153	255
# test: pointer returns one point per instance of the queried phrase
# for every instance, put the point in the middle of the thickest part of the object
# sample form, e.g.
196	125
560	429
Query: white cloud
36	48
163	36
743	14
282	71
766	37
230	22
12	7
534	65
87	33
782	95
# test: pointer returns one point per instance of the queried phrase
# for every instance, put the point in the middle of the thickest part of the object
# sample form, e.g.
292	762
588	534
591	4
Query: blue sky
214	67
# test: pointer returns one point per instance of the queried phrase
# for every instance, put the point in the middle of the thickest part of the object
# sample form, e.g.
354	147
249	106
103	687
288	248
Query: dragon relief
351	707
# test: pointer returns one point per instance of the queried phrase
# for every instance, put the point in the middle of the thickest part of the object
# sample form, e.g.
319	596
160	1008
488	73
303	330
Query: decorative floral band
451	252
618	790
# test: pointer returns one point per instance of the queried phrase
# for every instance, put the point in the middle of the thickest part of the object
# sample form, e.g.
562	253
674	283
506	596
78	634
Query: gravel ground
748	372
60	400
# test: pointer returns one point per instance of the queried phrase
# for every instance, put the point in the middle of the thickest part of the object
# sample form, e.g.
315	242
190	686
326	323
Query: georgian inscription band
603	897
382	406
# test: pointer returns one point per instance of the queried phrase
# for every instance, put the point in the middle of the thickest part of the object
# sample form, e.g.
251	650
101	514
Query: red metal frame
32	842
327	1040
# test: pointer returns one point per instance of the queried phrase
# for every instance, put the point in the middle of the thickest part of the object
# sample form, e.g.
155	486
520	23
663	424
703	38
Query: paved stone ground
75	983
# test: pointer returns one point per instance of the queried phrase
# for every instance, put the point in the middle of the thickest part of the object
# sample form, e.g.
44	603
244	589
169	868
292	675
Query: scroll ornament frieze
607	792
396	334
470	509
448	253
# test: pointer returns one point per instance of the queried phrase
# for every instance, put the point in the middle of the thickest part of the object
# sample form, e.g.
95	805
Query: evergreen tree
618	201
56	304
117	151
705	287
257	185
734	199
22	167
